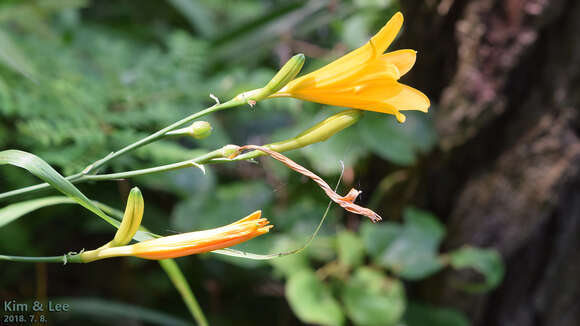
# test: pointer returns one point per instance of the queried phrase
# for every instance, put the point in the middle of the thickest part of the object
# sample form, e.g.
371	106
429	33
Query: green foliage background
79	79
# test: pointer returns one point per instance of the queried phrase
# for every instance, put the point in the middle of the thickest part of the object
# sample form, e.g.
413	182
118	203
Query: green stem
85	175
69	258
162	168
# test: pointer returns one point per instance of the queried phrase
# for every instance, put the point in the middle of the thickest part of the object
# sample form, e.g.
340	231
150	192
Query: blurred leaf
425	315
14	211
180	282
488	262
351	250
355	31
376	4
198	16
372	299
206	210
413	253
42	170
94	308
13	57
397	142
311	299
377	237
290	264
251	37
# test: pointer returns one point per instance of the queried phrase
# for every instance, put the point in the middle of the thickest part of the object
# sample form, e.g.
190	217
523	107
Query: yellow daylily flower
365	78
190	243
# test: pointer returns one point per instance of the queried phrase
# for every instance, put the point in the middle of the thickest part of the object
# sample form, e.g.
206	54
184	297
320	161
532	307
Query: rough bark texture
506	77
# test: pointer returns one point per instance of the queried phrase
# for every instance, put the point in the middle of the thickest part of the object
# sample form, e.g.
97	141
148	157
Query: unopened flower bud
290	69
198	130
319	132
229	150
131	219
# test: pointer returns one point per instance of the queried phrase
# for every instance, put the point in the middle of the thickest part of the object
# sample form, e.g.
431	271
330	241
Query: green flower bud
320	132
131	219
283	77
200	129
229	150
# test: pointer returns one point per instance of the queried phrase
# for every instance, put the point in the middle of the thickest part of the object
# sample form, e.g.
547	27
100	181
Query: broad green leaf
373	299
42	170
14	211
378	237
413	253
426	315
14	58
488	262
311	300
95	308
396	142
351	250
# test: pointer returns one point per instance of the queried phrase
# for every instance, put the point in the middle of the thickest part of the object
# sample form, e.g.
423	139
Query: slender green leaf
12	57
198	16
178	279
14	211
42	170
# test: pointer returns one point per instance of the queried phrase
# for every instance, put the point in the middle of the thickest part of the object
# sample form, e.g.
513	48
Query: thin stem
47	259
162	168
159	134
85	175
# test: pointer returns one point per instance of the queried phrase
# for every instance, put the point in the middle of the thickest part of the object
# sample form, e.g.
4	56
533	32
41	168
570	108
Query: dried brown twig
346	202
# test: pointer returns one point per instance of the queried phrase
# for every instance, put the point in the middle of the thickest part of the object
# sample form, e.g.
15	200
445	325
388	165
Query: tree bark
505	75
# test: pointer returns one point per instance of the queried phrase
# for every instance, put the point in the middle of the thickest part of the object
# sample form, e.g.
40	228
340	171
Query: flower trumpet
190	243
365	78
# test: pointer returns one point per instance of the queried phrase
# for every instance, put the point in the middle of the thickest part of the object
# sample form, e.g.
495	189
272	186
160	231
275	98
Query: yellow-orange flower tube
190	243
365	78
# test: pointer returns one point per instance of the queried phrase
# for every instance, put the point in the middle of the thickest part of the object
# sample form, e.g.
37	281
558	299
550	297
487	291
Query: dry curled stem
346	202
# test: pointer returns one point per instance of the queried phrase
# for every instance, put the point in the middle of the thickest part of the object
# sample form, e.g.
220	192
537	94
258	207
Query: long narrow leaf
42	170
196	13
180	282
12	57
14	211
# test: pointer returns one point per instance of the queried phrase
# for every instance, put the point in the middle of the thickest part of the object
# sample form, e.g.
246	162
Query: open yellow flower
365	78
190	243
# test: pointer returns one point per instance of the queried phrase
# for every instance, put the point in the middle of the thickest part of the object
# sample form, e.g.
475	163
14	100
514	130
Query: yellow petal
352	62
408	99
387	34
403	59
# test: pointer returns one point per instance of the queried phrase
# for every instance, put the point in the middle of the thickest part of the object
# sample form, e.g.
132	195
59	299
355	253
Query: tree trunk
506	77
